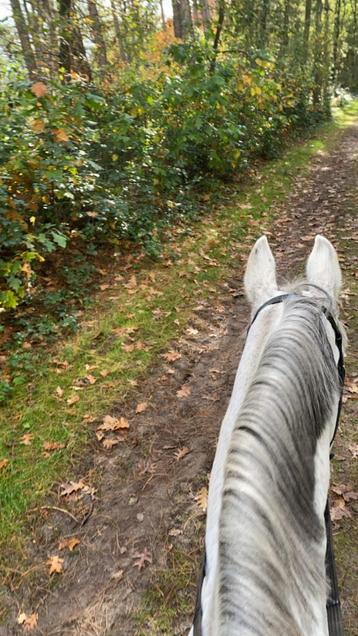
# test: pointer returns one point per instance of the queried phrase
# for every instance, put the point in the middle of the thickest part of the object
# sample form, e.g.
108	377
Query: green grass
182	278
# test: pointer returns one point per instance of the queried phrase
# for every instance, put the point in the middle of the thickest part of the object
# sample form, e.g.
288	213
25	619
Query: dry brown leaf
29	622
181	452
104	286
39	89
104	373
202	498
184	392
117	576
70	487
73	399
141	407
69	544
113	423
37	125
353	448
132	283
55	564
26	439
171	356
52	446
91	379
59	392
351	384
60	135
141	559
3	463
109	442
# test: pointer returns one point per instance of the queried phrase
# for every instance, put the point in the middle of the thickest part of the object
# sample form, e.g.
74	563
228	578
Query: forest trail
133	572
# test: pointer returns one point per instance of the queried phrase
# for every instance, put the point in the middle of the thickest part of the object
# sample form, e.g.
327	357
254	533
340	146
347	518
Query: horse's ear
323	268
260	276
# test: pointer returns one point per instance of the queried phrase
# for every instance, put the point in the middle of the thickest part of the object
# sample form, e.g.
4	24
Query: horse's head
322	272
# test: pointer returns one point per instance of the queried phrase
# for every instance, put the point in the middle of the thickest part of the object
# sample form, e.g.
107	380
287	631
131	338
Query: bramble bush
80	163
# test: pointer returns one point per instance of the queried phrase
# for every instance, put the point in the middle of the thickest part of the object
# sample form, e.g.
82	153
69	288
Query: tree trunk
317	63
285	27
326	57
162	15
118	33
306	31
72	54
336	34
96	28
263	26
23	33
206	13
183	25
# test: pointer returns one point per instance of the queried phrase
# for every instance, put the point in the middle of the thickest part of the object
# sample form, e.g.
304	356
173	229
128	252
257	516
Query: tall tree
72	54
96	29
183	24
317	62
263	25
307	28
23	33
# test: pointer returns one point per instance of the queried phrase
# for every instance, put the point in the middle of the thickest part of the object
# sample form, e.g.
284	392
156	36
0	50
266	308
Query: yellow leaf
39	89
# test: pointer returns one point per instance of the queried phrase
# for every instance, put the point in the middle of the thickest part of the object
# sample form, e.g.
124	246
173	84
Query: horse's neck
254	346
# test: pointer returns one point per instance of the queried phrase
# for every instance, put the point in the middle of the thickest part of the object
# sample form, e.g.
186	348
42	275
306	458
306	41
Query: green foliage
79	164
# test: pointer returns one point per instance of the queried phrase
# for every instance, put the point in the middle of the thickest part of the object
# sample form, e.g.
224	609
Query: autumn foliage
88	164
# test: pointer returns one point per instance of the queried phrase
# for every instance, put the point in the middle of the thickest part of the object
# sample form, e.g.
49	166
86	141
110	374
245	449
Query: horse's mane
269	532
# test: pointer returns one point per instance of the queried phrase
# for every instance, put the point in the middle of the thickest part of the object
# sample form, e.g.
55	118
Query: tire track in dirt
145	497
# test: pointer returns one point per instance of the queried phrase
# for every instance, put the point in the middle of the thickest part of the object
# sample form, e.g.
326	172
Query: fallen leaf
91	379
39	89
26	439
52	446
3	463
117	576
181	452
202	498
171	356
70	487
104	373
141	407
104	286
141	559
69	544
108	443
184	392
73	399
353	448
113	423
132	283
55	564
29	622
59	392
351	384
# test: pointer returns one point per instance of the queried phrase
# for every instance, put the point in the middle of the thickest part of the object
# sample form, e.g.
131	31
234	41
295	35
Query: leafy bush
78	163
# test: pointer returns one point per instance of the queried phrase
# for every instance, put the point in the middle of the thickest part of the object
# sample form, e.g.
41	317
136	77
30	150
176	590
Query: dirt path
144	511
